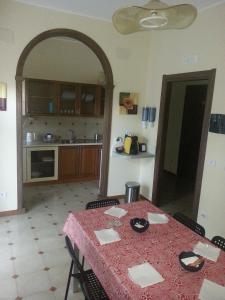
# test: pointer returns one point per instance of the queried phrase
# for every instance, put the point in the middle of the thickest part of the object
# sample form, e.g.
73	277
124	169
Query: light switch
211	162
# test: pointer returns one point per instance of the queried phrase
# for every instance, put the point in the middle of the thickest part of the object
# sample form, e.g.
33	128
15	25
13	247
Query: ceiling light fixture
154	15
153	21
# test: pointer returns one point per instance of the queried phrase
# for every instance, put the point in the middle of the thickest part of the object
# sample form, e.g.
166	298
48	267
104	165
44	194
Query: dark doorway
183	126
193	113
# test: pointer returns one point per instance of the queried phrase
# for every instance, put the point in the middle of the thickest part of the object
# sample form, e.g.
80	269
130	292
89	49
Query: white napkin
116	212
155	218
107	236
211	290
207	251
189	260
144	275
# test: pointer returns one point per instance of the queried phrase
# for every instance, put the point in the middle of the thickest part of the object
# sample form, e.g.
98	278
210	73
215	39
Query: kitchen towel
211	290
107	236
207	251
155	218
144	275
116	212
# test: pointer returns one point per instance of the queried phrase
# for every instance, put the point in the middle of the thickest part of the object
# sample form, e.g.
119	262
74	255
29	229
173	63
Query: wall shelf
139	155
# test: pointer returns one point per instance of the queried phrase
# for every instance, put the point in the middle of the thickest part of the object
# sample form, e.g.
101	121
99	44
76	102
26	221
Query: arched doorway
108	101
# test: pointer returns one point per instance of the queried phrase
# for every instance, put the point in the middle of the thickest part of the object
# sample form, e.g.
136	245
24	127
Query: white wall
168	49
127	58
63	59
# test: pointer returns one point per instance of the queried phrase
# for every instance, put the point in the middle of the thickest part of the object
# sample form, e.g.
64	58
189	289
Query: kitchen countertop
78	142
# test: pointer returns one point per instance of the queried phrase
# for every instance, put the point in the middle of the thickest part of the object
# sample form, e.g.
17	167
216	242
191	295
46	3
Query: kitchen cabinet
68	162
89	161
68	99
61	164
90	99
49	97
79	163
40	97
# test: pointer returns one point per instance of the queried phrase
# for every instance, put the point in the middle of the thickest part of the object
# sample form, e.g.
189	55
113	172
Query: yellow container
127	144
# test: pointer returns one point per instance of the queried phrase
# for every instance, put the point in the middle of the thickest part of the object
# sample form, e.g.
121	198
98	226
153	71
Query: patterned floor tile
33	258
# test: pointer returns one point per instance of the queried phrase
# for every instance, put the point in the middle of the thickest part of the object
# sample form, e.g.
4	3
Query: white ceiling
104	9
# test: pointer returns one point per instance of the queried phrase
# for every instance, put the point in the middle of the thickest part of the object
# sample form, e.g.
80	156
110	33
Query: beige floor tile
33	283
59	274
60	293
8	289
6	269
56	257
28	264
47	295
46	205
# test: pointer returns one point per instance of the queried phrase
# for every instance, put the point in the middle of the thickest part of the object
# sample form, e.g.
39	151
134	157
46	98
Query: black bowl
139	225
190	268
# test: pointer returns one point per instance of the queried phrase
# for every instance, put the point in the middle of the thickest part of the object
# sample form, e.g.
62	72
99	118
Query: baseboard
144	198
141	197
111	197
12	212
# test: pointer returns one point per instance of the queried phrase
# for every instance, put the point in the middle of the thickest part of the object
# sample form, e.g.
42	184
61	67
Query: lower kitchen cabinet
68	162
89	161
79	163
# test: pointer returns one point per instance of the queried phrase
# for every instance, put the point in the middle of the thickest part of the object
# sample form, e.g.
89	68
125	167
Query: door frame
167	82
109	86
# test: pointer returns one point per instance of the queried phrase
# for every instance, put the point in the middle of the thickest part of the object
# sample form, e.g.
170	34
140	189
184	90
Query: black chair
102	203
219	241
194	226
89	283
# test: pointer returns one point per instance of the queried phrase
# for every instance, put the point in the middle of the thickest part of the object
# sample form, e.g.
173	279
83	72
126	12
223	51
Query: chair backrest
194	226
72	254
219	241
102	203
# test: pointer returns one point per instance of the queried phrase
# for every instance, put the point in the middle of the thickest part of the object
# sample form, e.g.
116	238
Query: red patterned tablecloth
160	245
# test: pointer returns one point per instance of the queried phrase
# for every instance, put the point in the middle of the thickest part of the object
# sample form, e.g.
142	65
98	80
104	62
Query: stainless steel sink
67	141
78	141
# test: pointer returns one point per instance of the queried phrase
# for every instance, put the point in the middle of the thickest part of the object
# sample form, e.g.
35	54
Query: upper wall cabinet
47	97
68	99
41	97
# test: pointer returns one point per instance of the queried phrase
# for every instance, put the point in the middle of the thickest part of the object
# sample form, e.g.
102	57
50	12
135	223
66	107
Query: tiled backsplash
59	126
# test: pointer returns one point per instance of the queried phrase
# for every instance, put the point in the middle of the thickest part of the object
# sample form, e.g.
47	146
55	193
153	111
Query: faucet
72	136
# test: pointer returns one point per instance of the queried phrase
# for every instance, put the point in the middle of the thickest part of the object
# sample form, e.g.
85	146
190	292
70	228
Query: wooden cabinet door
89	161
88	98
68	162
100	101
68	99
41	97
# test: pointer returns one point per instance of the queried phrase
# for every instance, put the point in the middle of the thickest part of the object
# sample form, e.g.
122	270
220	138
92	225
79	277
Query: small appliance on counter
30	137
49	137
118	146
131	145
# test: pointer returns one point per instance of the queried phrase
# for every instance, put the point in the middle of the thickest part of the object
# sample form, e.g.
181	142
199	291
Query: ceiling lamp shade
154	15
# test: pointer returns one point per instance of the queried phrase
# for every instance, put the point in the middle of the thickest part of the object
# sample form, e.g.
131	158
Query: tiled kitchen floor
34	263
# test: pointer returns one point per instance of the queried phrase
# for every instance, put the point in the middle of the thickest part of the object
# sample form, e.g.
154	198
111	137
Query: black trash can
132	191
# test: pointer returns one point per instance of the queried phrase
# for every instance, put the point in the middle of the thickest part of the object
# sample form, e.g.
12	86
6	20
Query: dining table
160	246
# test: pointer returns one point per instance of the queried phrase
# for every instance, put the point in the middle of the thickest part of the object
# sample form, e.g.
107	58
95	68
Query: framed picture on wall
128	103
